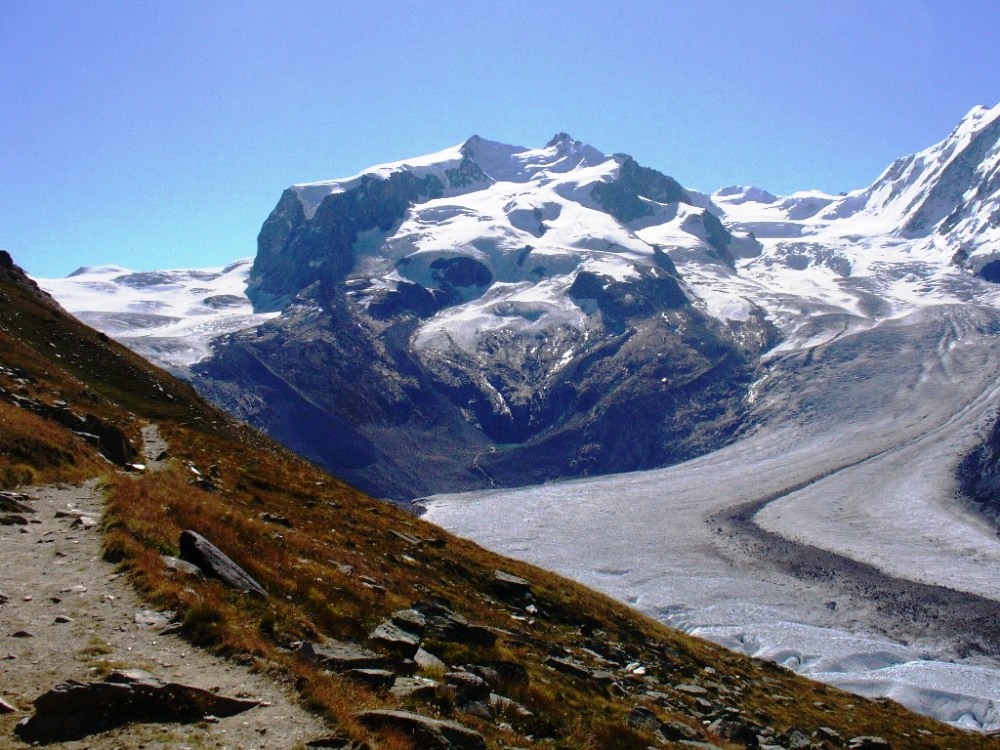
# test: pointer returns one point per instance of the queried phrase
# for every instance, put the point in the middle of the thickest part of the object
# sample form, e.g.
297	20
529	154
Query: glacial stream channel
830	538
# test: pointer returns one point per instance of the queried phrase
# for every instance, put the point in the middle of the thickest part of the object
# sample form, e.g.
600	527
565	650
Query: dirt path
85	619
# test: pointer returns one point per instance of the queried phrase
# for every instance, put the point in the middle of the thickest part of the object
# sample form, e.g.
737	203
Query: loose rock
378	679
73	710
868	742
432	734
392	637
340	656
215	563
445	625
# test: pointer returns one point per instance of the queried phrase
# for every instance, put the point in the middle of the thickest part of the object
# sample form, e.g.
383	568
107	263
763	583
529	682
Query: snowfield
169	317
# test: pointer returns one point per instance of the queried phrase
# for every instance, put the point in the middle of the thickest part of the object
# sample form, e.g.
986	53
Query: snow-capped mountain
490	314
169	317
503	311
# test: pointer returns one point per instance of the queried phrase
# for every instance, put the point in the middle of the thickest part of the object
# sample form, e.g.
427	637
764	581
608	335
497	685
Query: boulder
176	565
73	710
428	733
677	731
445	625
503	706
424	659
737	731
500	674
410	620
642	718
468	686
15	502
395	639
568	666
340	656
795	739
377	679
868	742
419	688
510	586
214	563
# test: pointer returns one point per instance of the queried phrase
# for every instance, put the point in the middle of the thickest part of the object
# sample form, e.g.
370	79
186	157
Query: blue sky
157	134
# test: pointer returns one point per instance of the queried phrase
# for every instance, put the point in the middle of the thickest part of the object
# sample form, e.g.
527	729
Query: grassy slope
48	356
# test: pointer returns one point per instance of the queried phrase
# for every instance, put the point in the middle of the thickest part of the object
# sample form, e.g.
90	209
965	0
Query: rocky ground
68	615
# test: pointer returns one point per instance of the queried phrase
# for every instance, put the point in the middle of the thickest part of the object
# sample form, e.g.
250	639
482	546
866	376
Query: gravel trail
70	615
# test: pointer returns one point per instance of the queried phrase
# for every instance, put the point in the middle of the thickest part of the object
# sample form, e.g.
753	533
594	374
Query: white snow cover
533	224
170	317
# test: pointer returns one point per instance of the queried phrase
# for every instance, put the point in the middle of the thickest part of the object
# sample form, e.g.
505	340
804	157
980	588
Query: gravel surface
83	619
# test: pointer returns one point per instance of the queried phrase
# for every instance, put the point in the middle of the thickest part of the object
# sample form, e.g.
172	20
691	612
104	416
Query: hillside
526	658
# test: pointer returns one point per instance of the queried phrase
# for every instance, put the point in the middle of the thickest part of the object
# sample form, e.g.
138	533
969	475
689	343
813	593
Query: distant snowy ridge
169	317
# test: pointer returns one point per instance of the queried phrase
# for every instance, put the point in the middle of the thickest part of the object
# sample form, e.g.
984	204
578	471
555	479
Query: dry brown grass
34	450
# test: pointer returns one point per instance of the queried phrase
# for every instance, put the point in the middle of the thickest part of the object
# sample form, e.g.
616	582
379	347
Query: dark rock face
73	710
979	473
658	383
619	301
294	252
623	197
990	271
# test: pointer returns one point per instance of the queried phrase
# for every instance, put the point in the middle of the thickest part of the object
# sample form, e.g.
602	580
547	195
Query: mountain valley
801	386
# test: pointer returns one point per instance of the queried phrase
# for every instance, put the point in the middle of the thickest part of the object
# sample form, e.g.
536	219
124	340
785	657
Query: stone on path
72	710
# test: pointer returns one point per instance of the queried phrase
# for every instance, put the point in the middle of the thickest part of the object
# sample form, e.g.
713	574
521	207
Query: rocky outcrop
295	251
113	443
73	710
214	563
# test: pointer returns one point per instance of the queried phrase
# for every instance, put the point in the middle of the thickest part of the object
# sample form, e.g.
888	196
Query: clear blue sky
156	134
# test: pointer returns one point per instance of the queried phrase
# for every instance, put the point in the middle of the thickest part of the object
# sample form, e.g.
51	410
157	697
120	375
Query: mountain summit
510	315
492	310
